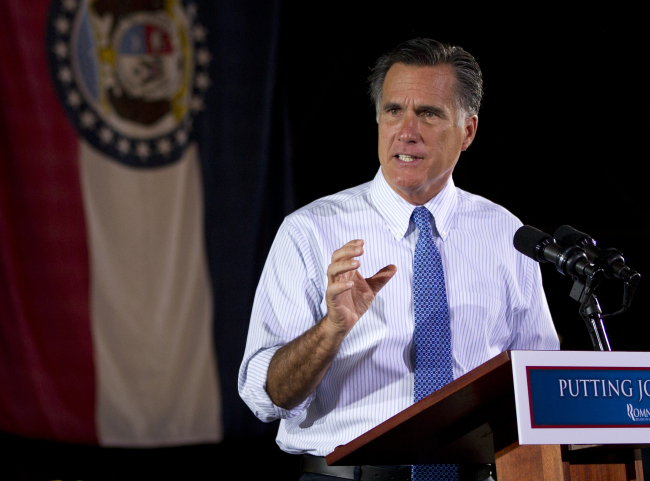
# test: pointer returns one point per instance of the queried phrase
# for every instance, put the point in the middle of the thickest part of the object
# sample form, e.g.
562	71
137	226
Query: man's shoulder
353	198
328	219
476	205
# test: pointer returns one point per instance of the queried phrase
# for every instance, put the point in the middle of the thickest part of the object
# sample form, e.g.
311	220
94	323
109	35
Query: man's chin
410	191
414	190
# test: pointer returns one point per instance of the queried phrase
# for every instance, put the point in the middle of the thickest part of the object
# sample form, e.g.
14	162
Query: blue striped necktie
432	338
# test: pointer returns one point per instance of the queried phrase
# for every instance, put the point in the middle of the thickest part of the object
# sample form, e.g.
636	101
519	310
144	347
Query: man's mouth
407	158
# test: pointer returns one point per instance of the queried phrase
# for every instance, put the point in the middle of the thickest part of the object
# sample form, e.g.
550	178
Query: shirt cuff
259	400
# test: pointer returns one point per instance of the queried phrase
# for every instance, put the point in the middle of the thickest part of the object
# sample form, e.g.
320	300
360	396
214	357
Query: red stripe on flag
47	381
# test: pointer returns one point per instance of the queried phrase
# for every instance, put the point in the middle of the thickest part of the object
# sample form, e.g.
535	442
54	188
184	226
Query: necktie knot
421	217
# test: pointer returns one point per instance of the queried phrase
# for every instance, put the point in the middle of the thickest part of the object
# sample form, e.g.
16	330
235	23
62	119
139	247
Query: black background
560	131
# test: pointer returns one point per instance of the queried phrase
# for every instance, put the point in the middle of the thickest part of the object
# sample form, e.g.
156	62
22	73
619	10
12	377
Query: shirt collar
396	211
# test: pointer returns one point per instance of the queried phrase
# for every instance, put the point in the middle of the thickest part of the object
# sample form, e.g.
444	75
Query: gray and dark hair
425	52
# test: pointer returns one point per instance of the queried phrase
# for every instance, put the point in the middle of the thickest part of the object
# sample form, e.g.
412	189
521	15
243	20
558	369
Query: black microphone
541	247
610	260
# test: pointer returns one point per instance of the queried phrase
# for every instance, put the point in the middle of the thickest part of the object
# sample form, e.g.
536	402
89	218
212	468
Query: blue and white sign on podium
572	397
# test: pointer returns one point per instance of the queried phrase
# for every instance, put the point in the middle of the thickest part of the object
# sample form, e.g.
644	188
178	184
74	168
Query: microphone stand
592	315
583	292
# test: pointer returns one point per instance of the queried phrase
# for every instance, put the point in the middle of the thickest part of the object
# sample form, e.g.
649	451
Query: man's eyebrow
440	112
391	106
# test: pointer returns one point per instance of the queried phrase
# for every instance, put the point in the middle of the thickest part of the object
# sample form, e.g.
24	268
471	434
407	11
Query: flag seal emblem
132	76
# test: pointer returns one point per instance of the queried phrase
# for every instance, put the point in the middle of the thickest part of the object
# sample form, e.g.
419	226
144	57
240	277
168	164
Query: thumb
381	278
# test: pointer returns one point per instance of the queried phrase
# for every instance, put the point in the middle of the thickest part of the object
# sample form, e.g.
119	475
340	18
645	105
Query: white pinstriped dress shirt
495	296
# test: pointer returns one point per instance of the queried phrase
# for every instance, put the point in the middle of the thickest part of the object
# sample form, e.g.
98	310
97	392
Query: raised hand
298	367
348	294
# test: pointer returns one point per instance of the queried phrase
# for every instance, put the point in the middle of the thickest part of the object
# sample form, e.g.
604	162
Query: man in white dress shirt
330	345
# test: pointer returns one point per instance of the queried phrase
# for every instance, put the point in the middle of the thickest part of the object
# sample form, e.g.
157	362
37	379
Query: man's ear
471	124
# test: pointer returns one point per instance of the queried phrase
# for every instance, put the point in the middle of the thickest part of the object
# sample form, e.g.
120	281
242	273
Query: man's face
420	139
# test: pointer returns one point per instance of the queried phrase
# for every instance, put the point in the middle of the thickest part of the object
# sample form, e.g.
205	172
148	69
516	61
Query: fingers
381	278
337	313
343	260
337	288
351	249
338	268
348	294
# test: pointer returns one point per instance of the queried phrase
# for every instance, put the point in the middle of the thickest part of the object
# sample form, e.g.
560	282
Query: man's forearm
297	368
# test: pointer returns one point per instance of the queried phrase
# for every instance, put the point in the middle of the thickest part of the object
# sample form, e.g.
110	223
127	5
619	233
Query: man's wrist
332	330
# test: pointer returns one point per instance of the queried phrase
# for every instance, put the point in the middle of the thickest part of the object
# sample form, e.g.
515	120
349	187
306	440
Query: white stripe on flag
151	302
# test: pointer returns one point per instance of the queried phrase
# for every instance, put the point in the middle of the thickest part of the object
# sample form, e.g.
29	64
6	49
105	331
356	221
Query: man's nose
409	130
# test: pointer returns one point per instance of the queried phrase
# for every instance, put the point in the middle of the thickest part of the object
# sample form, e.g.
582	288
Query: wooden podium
473	420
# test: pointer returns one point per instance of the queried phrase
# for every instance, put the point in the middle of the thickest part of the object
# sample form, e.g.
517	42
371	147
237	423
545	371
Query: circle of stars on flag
136	152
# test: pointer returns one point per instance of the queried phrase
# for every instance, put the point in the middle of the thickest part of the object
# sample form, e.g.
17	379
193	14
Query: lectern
474	419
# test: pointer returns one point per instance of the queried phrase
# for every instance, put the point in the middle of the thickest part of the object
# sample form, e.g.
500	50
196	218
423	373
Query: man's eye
429	114
393	111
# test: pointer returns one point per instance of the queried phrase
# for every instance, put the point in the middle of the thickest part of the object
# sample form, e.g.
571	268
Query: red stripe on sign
47	381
